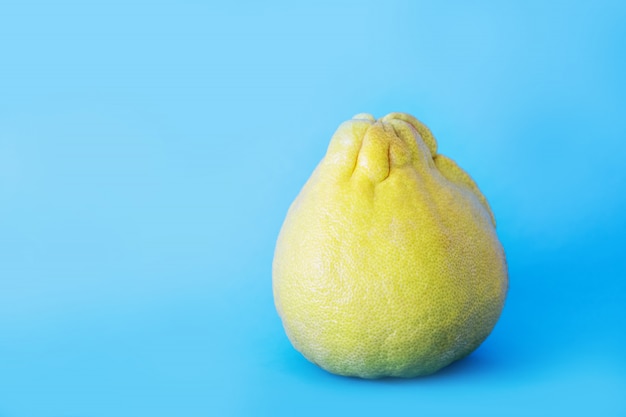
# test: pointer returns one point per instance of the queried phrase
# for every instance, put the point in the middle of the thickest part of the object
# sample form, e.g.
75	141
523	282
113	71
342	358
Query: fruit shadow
481	364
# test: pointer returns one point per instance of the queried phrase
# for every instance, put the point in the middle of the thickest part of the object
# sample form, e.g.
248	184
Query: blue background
149	151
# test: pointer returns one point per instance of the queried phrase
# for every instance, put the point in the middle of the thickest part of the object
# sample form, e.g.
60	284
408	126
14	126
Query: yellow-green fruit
388	263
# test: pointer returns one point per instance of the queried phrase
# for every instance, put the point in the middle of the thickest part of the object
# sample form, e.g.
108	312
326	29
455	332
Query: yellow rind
388	263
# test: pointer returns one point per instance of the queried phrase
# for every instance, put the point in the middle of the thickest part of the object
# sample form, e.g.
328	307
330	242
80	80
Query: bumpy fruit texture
388	262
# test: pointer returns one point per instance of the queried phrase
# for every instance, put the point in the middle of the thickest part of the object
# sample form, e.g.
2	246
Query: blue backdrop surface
149	152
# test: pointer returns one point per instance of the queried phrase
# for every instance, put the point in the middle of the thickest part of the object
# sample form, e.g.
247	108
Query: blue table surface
149	152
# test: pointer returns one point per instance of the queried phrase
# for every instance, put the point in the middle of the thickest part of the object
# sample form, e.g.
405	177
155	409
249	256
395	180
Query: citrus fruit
388	262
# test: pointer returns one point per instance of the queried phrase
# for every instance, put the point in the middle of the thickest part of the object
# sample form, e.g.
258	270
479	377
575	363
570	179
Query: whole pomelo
388	262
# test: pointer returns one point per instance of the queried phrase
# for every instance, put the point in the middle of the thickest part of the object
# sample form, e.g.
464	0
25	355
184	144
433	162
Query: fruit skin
388	262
